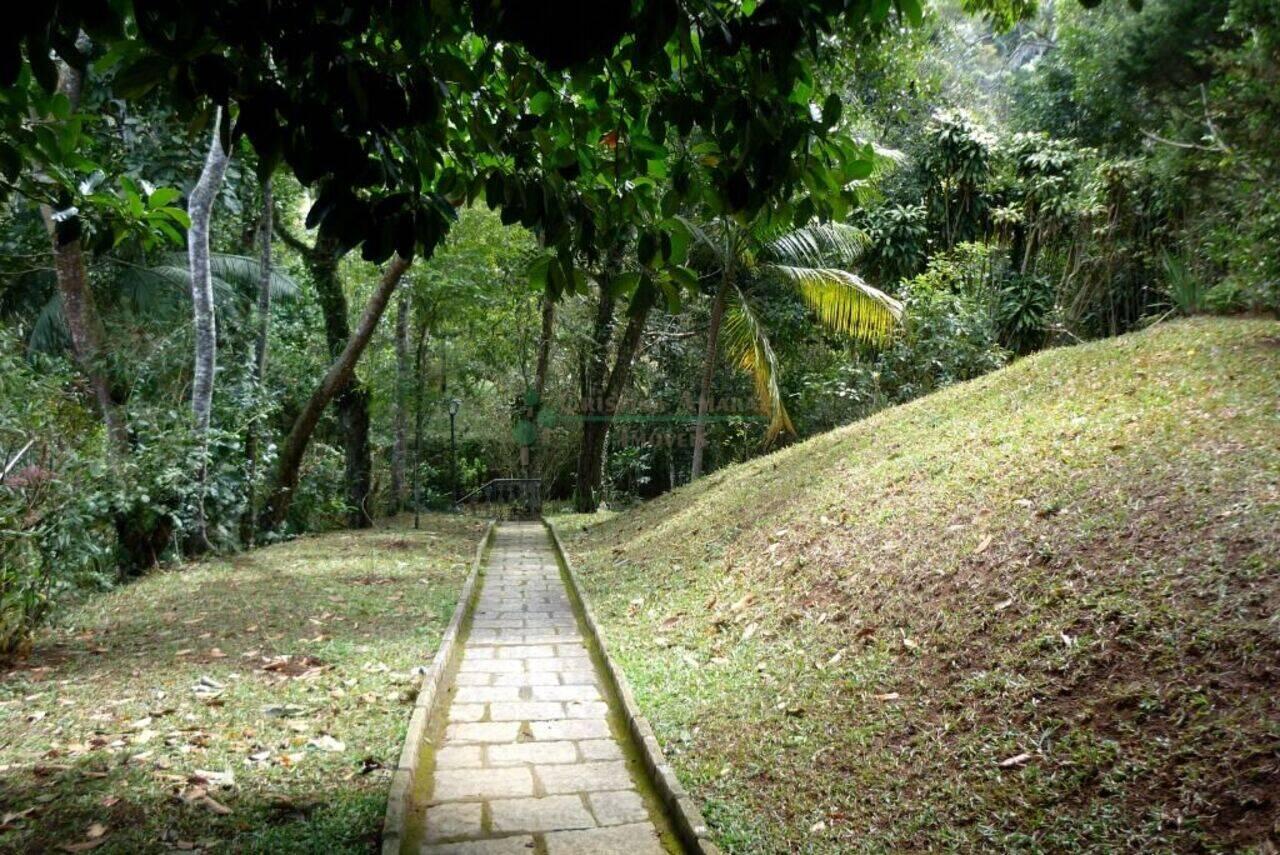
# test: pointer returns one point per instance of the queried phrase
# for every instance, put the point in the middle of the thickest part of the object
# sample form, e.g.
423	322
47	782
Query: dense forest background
1034	182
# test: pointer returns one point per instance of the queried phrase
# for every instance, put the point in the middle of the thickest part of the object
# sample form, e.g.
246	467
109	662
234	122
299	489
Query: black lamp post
454	404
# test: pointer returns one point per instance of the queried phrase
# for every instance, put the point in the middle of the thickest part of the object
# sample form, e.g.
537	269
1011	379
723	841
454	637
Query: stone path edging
687	819
423	707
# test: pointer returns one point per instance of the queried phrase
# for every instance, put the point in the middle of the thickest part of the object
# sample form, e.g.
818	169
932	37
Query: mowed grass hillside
255	704
1036	612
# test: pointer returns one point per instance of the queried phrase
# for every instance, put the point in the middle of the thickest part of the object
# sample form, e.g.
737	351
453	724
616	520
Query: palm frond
164	288
747	343
241	273
844	303
819	245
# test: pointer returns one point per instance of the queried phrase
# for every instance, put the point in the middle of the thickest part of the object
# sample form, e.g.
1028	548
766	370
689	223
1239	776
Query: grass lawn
252	704
1036	612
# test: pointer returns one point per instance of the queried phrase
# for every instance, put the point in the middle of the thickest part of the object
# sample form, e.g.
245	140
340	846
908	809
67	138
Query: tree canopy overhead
396	112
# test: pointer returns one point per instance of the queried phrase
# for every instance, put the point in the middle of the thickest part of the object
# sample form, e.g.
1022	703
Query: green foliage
899	240
957	163
53	533
1024	309
1185	94
1186	291
949	334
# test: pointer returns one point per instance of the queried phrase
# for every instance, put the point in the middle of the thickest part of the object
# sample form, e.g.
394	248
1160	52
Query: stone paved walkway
528	763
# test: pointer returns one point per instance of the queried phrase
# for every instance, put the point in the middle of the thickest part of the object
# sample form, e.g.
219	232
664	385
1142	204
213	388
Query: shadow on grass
117	711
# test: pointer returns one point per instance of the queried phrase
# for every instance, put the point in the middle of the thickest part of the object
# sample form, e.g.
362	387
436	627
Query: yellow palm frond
747	344
844	303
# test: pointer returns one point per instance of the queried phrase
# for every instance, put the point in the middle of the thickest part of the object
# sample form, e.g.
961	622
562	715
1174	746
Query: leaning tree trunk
259	357
595	430
351	401
335	379
400	445
200	210
708	374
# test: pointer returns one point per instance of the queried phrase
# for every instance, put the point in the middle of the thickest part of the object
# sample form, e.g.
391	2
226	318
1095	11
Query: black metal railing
505	499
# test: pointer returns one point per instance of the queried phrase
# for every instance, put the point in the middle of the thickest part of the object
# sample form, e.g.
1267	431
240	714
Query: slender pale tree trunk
259	357
200	210
400	446
335	379
709	372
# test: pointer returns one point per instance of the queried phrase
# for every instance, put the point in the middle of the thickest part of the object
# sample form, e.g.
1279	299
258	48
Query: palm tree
814	261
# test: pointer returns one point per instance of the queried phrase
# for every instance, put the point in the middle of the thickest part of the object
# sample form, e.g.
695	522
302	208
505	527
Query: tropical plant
958	161
814	262
1186	290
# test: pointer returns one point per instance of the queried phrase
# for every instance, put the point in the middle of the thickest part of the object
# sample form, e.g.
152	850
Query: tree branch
290	239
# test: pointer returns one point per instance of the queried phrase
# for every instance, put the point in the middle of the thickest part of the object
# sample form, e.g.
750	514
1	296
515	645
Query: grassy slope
101	723
1076	558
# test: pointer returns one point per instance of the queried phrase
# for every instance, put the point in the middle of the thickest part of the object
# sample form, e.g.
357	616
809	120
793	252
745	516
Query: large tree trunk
259	357
351	401
78	306
200	210
601	398
590	452
708	374
400	446
335	379
544	345
540	373
84	324
352	404
139	544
